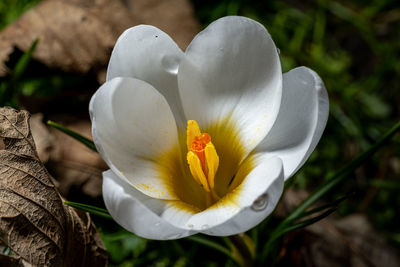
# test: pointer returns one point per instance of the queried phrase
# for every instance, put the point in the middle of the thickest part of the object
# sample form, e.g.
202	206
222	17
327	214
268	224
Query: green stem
245	255
211	244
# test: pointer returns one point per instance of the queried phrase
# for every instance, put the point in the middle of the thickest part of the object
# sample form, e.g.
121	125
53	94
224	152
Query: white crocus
202	140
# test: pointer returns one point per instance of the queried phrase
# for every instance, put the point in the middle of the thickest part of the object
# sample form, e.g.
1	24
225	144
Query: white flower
166	181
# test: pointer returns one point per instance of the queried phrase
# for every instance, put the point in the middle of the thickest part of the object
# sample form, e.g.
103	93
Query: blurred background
54	54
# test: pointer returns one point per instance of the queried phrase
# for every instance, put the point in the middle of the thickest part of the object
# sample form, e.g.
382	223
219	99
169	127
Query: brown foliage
34	222
78	35
74	36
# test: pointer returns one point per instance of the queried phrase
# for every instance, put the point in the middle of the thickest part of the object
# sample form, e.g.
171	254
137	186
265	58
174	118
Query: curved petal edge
126	206
147	53
132	125
247	205
301	120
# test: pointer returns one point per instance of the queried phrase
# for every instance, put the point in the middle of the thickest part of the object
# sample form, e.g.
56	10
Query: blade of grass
88	208
304	223
214	245
289	228
9	91
327	187
388	185
340	175
84	140
332	204
23	62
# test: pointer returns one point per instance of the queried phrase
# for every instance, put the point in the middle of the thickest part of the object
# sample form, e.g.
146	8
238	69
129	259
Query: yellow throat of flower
196	174
202	157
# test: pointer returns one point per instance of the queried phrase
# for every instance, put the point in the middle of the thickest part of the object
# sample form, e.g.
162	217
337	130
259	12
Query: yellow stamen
192	131
197	170
202	156
212	161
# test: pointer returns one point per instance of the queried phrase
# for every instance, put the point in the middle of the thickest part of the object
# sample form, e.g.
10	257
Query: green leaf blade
84	140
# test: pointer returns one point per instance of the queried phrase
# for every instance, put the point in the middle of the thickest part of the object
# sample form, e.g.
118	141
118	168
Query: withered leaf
78	35
74	35
34	222
42	136
175	17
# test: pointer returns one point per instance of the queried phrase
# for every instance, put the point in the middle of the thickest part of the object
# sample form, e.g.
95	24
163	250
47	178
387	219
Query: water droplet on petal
260	203
157	224
170	64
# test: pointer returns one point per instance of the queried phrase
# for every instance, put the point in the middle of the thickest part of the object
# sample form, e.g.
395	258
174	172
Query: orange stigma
202	157
200	142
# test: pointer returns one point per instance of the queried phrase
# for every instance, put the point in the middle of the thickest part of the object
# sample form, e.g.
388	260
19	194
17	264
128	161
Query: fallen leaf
78	35
34	222
43	139
74	35
175	17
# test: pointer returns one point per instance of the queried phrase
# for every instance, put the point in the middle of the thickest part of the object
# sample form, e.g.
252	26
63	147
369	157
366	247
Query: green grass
10	10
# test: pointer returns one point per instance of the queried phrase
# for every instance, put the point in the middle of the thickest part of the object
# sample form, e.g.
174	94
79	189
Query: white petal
147	53
243	208
301	120
231	72
137	212
132	126
250	216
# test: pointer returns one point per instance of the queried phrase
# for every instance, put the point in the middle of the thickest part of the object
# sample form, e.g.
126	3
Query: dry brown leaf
175	17
77	168
78	35
75	35
34	222
41	134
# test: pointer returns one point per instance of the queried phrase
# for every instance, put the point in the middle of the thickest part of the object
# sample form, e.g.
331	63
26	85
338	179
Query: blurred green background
355	47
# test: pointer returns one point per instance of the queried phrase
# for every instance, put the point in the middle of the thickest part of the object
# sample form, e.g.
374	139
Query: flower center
202	157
